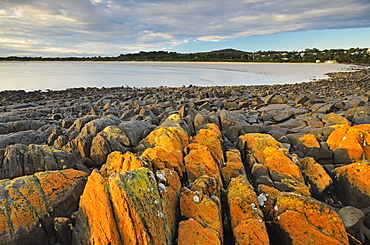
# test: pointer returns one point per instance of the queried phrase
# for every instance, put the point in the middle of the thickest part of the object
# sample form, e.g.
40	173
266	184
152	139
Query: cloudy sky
111	27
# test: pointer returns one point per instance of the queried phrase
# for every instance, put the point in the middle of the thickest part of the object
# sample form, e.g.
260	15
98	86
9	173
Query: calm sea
61	75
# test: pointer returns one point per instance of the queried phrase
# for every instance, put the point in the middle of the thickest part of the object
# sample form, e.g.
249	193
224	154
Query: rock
352	184
24	137
323	108
278	132
247	221
353	219
108	140
97	125
135	131
292	123
266	199
211	137
233	166
132	194
301	99
63	230
282	116
304	142
304	220
29	204
95	219
285	174
205	210
200	161
362	115
78	124
169	189
20	160
334	119
233	118
316	178
172	140
118	162
26	125
350	144
192	232
274	99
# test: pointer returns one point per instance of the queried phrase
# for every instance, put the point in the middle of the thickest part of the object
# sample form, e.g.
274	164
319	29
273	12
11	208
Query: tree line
348	56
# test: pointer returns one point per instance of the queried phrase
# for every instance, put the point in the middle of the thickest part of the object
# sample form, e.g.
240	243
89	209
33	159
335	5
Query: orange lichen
233	167
173	140
137	204
357	174
201	162
246	217
316	176
258	142
169	189
95	203
193	233
305	220
119	163
276	159
212	138
355	140
161	159
202	208
267	196
54	183
309	140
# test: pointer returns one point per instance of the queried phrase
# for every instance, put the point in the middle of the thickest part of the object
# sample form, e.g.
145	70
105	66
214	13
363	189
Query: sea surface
31	76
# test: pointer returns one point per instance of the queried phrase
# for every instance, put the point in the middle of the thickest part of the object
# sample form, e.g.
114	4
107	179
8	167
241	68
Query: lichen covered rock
95	221
137	204
203	212
304	220
29	204
316	177
352	183
283	169
247	221
350	144
233	166
172	139
119	163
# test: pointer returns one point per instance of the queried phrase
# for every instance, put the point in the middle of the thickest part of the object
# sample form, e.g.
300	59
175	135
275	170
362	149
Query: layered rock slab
247	220
304	220
29	204
201	207
283	171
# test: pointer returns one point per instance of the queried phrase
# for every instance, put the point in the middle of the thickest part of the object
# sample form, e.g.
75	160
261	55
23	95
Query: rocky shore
282	164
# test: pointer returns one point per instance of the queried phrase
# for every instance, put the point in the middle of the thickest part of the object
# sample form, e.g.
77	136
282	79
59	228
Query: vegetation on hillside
348	56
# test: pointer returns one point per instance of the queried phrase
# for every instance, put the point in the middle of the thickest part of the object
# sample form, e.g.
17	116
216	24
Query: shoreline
76	142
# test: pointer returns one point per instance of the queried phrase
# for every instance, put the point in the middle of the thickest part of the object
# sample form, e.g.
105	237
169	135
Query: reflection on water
62	75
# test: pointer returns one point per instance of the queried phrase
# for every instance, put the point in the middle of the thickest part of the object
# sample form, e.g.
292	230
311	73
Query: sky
51	28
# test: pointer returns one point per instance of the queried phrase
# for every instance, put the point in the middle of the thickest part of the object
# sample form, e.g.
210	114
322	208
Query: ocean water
62	75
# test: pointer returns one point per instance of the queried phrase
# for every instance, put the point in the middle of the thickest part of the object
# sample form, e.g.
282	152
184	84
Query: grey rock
20	160
353	218
362	115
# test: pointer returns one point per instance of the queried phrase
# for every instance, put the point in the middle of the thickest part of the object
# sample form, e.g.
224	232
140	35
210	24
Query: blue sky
111	27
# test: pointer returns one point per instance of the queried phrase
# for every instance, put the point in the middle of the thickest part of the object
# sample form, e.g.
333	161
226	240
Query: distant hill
348	56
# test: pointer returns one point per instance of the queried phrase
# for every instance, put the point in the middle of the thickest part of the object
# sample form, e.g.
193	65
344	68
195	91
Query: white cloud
114	26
